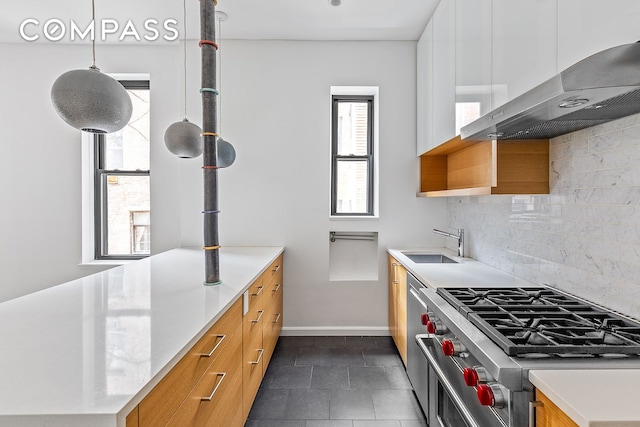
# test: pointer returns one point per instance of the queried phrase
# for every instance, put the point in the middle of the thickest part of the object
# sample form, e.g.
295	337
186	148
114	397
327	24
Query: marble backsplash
584	237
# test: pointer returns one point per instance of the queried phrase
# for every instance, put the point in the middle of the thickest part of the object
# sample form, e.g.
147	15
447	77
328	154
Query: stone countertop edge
597	398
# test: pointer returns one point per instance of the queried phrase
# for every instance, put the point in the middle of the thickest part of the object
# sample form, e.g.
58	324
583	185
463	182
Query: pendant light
226	151
89	100
184	139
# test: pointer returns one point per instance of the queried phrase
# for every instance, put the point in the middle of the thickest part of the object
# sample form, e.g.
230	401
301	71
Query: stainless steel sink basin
430	258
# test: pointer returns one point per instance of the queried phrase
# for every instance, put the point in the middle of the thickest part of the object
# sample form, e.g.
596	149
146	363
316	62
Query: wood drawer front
271	332
272	295
256	293
252	321
252	371
165	398
274	272
217	398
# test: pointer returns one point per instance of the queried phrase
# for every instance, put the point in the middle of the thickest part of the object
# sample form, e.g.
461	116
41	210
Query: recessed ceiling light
335	2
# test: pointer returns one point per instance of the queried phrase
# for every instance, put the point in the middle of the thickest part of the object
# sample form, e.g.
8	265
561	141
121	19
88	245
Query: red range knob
470	377
485	395
431	327
424	317
490	395
452	347
448	348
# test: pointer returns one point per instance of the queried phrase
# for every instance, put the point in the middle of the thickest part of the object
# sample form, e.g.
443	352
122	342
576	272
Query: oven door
450	403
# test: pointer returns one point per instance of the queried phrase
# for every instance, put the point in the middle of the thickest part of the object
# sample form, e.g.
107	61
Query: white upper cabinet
444	71
472	61
586	27
524	44
424	89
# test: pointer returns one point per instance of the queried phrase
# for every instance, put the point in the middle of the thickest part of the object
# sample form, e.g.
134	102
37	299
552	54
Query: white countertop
466	272
594	398
85	353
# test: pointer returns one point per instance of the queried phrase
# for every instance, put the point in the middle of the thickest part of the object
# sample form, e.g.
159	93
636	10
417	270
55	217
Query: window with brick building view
122	191
352	155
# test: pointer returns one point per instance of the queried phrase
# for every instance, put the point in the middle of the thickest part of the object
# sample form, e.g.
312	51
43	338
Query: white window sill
351	218
106	262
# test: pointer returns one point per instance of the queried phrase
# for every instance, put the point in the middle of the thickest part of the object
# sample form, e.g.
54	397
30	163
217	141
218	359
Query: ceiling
248	19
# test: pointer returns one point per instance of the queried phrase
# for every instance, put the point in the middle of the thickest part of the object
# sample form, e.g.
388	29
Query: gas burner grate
526	321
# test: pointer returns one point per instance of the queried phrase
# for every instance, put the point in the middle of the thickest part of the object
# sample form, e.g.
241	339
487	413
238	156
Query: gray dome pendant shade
184	139
91	101
226	153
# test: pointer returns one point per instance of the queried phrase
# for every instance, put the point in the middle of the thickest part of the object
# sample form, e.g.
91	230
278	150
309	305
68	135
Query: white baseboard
334	331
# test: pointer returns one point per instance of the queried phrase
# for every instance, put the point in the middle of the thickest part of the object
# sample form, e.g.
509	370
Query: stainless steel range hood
598	89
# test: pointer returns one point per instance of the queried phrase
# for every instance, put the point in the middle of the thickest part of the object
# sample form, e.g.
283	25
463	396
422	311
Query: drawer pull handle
210	397
275	270
261	351
260	289
222	337
277	288
261	312
278	316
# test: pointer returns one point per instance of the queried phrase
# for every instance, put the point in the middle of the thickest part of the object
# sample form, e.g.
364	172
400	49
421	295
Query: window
352	149
121	183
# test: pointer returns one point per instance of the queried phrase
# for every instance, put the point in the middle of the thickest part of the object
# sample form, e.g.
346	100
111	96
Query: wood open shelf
471	168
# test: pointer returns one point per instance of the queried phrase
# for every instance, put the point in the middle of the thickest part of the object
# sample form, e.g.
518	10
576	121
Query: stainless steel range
479	345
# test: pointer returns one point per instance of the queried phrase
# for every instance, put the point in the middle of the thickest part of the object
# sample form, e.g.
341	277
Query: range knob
452	347
424	318
436	327
491	395
474	376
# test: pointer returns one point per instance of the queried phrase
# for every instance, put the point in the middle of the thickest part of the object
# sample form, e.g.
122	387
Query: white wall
276	105
276	111
40	173
584	237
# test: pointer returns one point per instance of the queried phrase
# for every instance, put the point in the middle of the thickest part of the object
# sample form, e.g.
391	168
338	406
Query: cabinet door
444	71
401	313
424	90
586	27
393	316
473	61
549	415
524	46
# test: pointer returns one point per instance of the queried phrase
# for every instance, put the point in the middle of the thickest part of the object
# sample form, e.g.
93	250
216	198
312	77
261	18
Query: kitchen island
85	353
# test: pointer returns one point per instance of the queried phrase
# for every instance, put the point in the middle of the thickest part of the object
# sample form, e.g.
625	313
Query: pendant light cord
93	39
184	30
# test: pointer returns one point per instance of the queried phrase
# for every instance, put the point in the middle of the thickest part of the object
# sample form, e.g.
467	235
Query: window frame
369	157
100	193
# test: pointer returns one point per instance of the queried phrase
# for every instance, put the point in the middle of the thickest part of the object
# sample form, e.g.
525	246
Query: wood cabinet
252	348
471	168
216	382
398	306
162	402
549	415
273	304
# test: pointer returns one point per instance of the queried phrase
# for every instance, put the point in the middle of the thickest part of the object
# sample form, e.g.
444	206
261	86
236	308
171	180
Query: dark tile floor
335	382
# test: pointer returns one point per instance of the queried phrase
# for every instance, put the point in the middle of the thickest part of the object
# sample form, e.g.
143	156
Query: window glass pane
351	186
352	128
128	149
128	201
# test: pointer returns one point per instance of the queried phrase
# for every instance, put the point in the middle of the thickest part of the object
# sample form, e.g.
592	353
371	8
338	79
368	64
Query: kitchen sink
429	258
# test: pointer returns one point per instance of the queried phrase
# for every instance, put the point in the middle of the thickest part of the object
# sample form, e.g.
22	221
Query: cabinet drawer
165	398
216	398
252	371
252	321
271	331
273	272
255	294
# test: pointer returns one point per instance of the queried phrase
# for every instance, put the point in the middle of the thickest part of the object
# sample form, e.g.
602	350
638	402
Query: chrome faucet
459	236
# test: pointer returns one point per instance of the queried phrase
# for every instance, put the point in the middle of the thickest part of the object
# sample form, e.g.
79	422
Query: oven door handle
445	382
